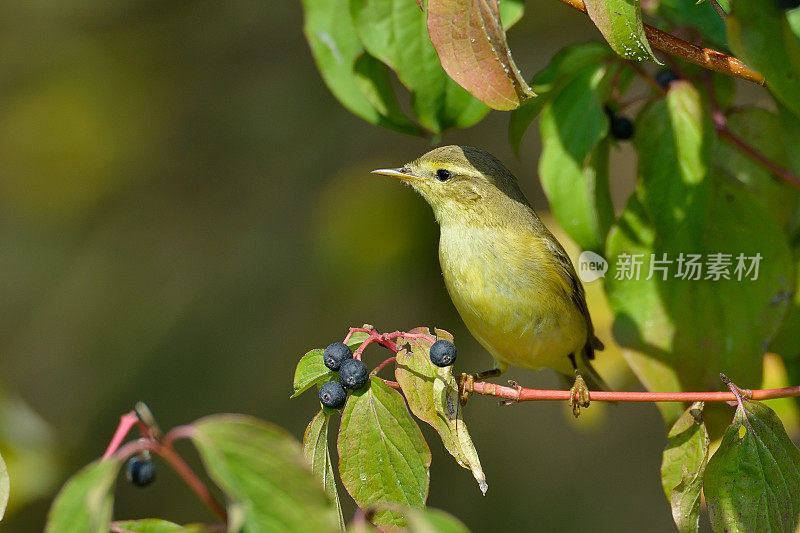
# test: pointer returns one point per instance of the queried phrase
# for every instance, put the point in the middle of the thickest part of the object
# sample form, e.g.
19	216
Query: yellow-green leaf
316	452
84	503
261	469
432	395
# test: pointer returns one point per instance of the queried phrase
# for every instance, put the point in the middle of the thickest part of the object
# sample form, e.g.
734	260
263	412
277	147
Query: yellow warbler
509	278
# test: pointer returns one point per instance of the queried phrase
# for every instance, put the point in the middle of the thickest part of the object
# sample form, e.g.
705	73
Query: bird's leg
579	393
465	382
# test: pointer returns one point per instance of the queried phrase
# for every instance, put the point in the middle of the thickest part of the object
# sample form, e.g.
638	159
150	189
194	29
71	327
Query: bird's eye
443	174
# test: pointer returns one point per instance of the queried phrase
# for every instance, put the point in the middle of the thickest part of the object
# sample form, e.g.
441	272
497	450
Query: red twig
384	339
126	422
527	395
521	394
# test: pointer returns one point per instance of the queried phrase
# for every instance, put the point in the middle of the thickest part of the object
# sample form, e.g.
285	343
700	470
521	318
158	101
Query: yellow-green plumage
509	278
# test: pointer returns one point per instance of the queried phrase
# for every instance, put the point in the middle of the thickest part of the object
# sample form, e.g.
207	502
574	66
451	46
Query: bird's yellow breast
510	295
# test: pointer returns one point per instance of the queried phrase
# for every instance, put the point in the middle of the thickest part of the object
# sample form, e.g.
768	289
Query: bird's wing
575	289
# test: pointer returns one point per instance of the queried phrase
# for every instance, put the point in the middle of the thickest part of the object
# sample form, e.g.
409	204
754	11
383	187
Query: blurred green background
185	210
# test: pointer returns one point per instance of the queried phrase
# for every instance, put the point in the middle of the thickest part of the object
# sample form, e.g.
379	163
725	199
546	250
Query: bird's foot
465	382
578	395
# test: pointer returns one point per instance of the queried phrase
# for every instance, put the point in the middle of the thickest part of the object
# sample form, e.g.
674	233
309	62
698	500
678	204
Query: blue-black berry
788	4
335	353
443	353
665	77
621	127
332	395
140	470
353	374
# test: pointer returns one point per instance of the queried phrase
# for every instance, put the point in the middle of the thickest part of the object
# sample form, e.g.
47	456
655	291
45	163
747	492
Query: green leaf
760	34
363	87
564	66
753	479
382	454
395	32
85	502
682	466
356	339
156	525
373	80
262	471
432	395
5	487
315	450
471	43
620	22
573	168
762	129
427	520
683	332
148	525
310	371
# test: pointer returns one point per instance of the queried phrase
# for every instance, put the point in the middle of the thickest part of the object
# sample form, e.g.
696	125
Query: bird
509	278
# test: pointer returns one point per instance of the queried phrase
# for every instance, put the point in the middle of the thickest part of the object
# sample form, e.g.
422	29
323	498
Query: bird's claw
578	395
465	382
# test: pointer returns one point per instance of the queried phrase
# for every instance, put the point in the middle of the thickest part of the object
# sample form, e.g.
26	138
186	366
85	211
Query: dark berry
443	353
665	77
332	395
140	470
353	374
621	128
335	353
788	4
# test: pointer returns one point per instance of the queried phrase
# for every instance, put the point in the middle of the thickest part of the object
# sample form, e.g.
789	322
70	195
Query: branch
705	57
515	393
521	394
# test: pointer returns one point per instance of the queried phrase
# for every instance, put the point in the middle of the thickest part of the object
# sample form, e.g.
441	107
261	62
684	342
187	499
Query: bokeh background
185	210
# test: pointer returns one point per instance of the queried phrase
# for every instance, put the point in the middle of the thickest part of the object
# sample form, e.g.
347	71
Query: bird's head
462	184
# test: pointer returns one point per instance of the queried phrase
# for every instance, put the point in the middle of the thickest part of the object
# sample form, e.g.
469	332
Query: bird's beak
402	173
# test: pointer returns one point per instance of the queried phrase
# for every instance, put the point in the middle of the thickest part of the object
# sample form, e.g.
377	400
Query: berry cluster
354	374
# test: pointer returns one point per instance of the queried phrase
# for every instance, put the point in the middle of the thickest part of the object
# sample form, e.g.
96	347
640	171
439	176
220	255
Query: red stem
126	422
527	395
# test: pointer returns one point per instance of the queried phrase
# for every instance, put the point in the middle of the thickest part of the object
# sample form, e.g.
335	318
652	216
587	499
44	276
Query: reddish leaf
472	47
